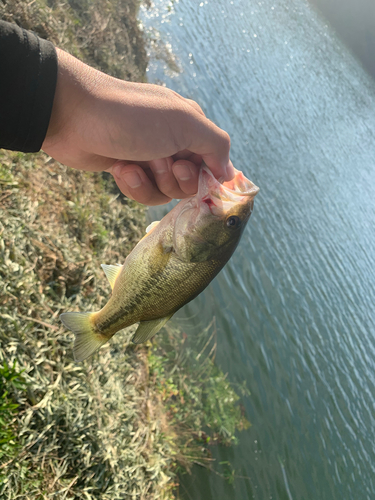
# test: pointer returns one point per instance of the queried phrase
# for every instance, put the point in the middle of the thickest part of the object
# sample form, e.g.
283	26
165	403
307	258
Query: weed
103	33
10	381
206	410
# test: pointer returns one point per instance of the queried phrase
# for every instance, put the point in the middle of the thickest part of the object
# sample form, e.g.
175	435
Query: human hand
151	139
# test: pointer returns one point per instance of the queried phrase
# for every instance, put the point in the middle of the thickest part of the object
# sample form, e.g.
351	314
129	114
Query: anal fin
147	329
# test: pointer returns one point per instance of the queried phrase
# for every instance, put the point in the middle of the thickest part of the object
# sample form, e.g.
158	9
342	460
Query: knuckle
196	106
147	197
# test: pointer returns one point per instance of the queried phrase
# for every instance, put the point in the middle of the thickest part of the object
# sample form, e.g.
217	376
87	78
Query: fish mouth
222	196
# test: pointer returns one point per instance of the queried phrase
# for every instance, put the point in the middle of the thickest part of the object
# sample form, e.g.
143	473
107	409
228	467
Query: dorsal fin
112	272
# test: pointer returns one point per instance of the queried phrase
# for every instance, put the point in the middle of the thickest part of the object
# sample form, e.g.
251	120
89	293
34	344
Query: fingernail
182	172
160	166
160	169
116	170
132	179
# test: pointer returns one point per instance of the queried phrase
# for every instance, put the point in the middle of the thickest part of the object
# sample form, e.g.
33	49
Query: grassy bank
124	423
103	33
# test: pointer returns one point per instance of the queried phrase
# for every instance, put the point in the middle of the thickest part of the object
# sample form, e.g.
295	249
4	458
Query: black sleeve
28	74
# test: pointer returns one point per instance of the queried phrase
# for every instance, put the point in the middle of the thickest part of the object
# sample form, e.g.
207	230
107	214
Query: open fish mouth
222	196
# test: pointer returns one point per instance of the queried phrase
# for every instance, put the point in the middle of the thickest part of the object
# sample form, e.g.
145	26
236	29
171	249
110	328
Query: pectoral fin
151	226
147	329
111	272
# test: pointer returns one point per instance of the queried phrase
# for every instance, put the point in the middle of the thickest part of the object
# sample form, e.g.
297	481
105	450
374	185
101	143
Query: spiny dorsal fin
87	341
112	272
147	329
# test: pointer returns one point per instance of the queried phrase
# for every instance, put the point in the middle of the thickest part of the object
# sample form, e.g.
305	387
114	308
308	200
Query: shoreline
128	419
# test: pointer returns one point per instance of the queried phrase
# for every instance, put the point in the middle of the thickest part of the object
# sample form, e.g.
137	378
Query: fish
171	265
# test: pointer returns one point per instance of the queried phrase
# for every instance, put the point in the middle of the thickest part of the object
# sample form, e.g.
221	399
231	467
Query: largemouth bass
171	265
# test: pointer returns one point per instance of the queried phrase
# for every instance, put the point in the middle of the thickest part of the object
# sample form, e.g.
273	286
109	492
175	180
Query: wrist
75	82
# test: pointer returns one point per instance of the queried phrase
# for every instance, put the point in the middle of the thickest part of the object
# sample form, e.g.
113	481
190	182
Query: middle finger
165	179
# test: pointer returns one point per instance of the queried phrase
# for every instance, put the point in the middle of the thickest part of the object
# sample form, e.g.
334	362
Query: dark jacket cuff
27	88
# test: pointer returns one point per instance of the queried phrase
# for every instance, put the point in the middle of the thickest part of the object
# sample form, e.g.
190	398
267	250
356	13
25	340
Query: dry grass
103	33
85	428
125	422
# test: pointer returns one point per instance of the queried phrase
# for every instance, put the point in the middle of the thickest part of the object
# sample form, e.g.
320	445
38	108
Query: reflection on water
354	21
295	306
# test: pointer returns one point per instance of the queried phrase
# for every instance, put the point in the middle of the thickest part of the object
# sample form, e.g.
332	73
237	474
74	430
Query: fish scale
171	265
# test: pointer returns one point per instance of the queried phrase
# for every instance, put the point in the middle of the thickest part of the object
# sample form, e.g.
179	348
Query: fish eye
233	221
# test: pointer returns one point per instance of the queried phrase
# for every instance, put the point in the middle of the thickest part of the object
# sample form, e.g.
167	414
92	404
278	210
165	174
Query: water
354	21
294	307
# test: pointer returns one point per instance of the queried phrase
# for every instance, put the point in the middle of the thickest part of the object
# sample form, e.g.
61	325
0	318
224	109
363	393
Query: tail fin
87	340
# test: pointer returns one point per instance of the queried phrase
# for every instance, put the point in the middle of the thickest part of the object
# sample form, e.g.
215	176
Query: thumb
213	145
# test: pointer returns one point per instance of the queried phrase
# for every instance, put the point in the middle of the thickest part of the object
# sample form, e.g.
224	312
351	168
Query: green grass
10	381
209	407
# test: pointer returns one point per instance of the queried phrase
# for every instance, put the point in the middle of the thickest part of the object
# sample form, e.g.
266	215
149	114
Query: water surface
294	307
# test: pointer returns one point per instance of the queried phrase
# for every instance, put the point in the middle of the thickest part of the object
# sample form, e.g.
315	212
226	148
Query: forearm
27	85
150	138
